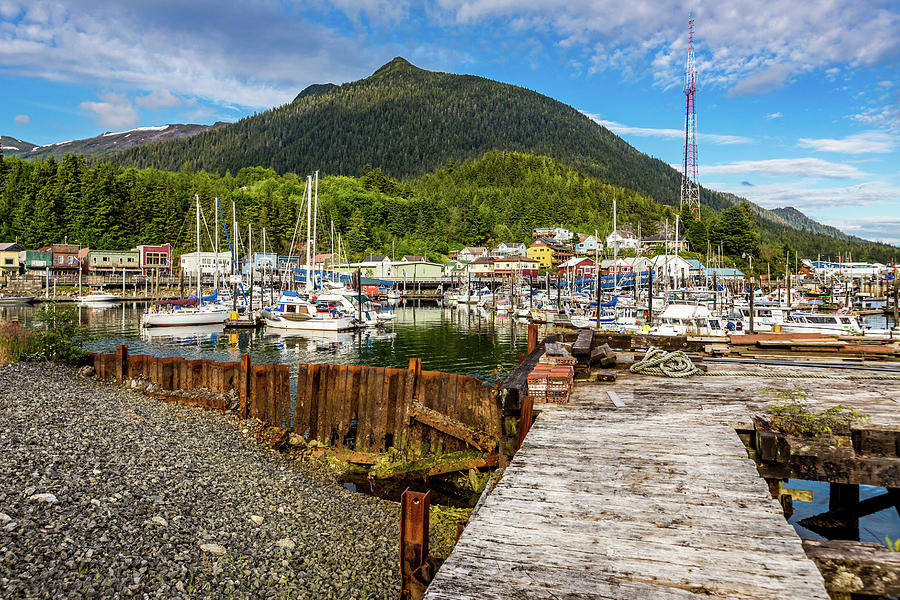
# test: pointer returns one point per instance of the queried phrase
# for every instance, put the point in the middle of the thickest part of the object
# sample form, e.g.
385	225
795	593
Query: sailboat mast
316	224
216	276
308	230
199	297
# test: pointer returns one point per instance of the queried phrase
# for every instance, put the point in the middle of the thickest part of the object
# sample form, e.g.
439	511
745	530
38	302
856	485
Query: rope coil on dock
665	364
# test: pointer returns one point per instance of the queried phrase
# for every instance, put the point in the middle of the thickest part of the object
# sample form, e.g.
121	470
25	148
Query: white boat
97	297
688	319
293	312
821	323
13	300
209	314
180	316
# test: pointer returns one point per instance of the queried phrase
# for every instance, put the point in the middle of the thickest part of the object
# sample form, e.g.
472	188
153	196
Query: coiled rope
665	364
678	364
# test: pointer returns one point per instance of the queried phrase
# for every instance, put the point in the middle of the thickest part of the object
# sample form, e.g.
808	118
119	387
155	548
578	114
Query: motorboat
15	300
821	323
293	312
180	316
97	297
688	319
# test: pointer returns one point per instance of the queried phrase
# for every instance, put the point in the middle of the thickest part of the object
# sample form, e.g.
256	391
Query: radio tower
690	181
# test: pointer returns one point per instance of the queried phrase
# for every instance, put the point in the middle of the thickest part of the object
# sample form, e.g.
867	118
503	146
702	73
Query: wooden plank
363	425
323	421
312	385
301	402
395	394
614	398
449	426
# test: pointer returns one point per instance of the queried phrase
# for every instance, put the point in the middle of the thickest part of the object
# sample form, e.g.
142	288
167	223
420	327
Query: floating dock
650	492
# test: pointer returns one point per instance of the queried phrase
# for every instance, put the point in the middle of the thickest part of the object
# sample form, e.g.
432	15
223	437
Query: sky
798	103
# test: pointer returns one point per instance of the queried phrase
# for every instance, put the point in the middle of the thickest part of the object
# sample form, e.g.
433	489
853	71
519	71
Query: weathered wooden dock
653	499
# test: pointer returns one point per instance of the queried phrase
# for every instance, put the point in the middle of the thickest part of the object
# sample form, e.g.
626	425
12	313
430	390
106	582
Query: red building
65	262
155	258
578	267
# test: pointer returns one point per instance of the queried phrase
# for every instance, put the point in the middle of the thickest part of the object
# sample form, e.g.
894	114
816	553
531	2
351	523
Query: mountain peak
397	65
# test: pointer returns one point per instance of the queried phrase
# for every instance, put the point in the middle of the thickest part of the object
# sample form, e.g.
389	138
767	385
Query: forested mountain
501	196
104	144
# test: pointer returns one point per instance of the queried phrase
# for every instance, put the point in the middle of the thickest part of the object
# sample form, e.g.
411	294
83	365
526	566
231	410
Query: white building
825	268
470	253
557	234
504	250
670	266
208	263
622	239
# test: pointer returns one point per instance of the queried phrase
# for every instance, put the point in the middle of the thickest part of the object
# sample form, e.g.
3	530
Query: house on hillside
559	235
504	249
470	253
659	241
587	244
540	251
622	239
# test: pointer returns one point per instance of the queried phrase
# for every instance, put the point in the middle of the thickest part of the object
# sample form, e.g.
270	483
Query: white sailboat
179	316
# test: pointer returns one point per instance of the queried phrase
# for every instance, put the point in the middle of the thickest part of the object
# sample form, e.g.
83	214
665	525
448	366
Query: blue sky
798	102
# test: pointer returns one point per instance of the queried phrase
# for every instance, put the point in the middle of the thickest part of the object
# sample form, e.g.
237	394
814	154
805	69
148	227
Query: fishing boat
97	297
293	312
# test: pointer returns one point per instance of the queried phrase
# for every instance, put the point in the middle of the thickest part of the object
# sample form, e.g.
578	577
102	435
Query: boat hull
184	317
16	301
314	324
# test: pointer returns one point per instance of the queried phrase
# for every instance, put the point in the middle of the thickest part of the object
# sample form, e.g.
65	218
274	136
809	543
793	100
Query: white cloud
8	9
881	229
743	45
22	119
158	99
808	198
774	115
621	129
114	111
792	167
875	142
255	55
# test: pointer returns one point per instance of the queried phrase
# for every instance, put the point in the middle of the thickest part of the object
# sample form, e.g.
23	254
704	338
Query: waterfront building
64	259
155	259
578	267
36	259
110	261
483	266
210	263
516	265
455	268
824	268
286	264
670	266
696	267
415	269
374	265
9	258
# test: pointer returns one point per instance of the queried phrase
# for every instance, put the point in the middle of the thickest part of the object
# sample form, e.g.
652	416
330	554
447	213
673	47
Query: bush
16	342
60	336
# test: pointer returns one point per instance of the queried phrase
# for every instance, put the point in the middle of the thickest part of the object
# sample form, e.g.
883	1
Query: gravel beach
107	493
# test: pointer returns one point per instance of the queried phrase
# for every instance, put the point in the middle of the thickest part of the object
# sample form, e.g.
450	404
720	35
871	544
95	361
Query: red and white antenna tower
690	181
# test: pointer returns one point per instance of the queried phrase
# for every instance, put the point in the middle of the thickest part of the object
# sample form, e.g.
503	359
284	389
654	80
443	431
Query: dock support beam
415	571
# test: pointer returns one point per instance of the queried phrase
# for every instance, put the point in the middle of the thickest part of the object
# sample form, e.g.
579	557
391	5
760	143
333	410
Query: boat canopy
192	301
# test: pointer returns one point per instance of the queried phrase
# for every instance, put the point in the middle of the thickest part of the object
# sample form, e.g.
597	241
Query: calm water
872	528
467	341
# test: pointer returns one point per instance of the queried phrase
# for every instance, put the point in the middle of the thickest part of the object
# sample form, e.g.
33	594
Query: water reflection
465	340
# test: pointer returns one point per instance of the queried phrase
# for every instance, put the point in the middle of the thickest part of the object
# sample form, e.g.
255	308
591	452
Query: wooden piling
121	363
414	522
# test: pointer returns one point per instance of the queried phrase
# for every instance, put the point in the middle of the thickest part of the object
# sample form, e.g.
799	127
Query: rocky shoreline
105	492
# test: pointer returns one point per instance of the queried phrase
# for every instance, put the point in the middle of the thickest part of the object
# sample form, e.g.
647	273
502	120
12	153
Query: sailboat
191	311
293	311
